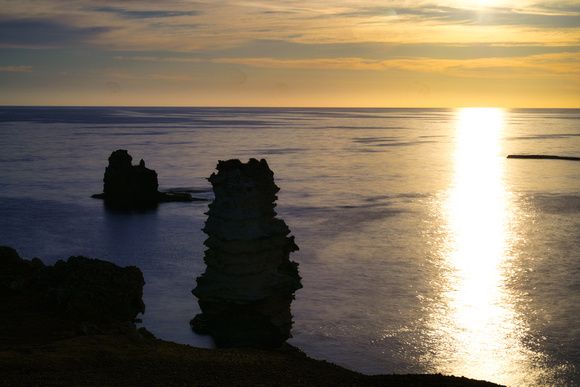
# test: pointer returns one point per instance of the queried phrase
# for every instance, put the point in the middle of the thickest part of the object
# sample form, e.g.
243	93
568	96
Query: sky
316	53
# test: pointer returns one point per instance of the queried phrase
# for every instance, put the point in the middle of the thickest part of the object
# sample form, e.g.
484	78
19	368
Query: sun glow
482	3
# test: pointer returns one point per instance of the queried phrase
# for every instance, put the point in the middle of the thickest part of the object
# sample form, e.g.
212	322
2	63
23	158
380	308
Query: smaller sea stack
249	283
128	186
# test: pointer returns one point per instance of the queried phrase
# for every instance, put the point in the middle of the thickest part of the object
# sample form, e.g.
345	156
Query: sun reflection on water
479	332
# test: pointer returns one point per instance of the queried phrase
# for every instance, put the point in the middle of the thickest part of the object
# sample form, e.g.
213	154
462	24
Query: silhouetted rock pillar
127	185
249	283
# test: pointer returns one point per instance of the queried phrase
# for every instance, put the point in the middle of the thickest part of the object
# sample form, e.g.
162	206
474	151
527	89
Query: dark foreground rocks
42	343
80	295
128	186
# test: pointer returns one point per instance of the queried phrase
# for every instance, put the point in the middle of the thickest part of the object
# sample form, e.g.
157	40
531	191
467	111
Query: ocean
423	249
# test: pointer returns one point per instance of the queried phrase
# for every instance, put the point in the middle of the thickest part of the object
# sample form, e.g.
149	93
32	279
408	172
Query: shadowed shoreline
58	334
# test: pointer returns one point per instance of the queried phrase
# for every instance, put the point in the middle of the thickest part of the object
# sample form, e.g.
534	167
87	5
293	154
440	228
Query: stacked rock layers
249	283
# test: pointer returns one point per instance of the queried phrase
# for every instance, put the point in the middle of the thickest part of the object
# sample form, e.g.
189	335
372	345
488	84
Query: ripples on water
422	248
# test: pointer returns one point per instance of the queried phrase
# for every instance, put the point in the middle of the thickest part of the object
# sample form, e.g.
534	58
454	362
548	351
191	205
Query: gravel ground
121	360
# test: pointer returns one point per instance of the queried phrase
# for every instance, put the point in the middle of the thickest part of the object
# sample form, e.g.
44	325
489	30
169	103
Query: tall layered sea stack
249	283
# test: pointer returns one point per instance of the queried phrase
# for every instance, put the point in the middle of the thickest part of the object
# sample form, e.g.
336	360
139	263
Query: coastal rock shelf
128	186
550	157
79	294
249	283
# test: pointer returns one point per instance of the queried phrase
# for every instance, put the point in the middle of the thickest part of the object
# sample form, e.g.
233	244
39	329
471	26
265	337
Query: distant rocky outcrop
90	295
128	186
249	283
543	157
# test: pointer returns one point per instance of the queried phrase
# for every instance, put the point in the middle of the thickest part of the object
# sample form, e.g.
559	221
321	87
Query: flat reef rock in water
128	186
249	283
544	157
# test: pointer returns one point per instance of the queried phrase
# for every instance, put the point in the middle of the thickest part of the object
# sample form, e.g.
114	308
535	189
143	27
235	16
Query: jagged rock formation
89	295
129	186
249	283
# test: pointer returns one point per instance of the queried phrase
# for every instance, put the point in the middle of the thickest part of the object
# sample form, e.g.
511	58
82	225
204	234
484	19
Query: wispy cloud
185	26
335	63
17	69
556	65
486	16
157	59
172	77
141	14
120	75
141	77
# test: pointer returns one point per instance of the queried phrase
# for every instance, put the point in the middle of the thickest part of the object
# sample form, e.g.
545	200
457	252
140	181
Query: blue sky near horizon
419	53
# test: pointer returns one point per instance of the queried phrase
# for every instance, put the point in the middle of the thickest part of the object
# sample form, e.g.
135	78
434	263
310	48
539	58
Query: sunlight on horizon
479	326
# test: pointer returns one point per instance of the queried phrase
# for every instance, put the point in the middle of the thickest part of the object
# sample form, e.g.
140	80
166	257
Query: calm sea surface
422	248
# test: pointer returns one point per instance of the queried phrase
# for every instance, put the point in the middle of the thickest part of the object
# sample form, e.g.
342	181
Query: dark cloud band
41	32
143	14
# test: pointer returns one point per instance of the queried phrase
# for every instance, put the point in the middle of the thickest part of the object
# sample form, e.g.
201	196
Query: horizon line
284	107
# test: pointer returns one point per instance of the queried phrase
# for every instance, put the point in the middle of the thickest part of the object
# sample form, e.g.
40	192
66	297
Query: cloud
335	63
120	75
217	24
157	59
563	65
131	14
272	8
17	69
35	32
561	7
551	16
172	77
165	77
548	66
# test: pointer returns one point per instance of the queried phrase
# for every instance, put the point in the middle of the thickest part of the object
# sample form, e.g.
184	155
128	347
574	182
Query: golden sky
351	53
